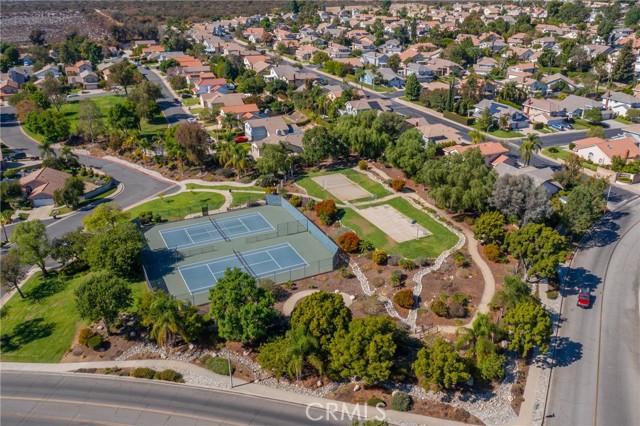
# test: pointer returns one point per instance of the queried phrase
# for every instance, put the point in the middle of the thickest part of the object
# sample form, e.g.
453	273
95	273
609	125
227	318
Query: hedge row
467	121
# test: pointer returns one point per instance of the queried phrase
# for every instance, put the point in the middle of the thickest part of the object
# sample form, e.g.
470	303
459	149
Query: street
52	398
596	377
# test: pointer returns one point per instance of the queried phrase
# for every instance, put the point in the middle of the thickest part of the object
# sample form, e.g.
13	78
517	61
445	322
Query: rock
336	291
77	351
504	344
356	388
191	346
163	356
256	381
352	297
245	353
319	383
99	327
132	334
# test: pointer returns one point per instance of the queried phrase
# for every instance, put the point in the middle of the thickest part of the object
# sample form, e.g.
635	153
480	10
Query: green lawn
190	101
316	190
240	198
563	155
176	207
500	133
41	327
623	120
366	182
582	124
431	246
224	187
377	88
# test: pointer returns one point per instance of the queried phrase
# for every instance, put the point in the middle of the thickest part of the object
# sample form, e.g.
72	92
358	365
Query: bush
218	365
295	200
169	376
346	273
374	401
94	342
398	184
456	309
143	373
422	261
373	306
407	264
401	401
554	149
394	259
366	246
396	278
349	242
537	126
467	121
379	257
84	336
553	294
492	252
462	298
377	281
404	298
440	308
325	210
460	259
363	165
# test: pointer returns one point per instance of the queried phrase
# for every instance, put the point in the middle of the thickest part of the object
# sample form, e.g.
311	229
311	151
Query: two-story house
619	102
516	119
272	130
423	72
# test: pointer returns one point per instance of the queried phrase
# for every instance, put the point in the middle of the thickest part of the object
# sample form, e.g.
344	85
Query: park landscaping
240	198
315	190
176	207
224	187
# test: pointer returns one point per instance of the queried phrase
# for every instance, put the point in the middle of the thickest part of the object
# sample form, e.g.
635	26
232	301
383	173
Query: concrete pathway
199	377
291	302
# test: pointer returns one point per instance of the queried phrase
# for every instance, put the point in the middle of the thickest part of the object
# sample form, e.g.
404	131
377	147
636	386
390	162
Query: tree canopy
585	205
529	326
441	365
102	296
116	250
32	243
520	198
538	248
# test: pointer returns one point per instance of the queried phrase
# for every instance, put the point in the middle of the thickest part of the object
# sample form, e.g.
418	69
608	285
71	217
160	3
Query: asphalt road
596	380
171	108
56	399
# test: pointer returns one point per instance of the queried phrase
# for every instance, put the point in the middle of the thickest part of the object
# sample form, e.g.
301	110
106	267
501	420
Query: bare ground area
17	25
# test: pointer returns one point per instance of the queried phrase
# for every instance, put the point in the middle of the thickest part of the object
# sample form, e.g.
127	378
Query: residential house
516	119
79	67
271	130
252	60
88	80
255	35
239	110
389	78
208	100
553	81
435	133
391	46
374	58
334	92
620	103
517	39
485	65
20	74
423	72
353	107
337	51
601	151
26	59
594	50
208	85
519	53
575	106
541	177
545	43
443	67
49	69
489	150
306	52
8	88
40	185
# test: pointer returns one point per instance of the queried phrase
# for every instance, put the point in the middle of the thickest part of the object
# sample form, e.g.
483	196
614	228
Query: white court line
273	259
296	252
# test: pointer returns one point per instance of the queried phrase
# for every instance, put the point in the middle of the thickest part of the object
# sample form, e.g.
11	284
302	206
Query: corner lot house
40	185
601	151
489	150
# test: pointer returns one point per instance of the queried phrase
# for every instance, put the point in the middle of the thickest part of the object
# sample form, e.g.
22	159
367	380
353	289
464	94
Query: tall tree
105	217
145	96
538	248
441	366
117	250
32	244
53	91
477	136
11	270
71	193
520	198
529	325
489	227
274	159
394	62
38	37
195	141
413	88
623	69
122	74
90	119
53	125
124	117
408	153
585	205
319	144
102	297
530	145
242	310
70	246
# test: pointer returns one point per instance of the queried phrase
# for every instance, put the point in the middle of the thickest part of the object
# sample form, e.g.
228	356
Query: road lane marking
125	407
24	416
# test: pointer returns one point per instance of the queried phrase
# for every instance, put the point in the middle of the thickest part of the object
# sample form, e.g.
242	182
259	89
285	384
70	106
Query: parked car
568	126
556	127
584	298
73	95
15	156
191	120
185	96
240	139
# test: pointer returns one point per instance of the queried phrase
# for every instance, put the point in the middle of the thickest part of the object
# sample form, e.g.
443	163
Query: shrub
394	259
326	210
460	259
440	308
404	298
456	309
537	126
379	257
572	146
422	261
492	252
553	294
94	342
346	273
554	149
84	336
295	200
396	278
377	281
366	246
462	298
401	401
169	376
374	401
373	306
218	365
143	373
363	165
407	264
398	184
349	242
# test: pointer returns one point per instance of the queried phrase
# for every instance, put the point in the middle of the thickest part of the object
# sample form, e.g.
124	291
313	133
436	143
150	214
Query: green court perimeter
283	245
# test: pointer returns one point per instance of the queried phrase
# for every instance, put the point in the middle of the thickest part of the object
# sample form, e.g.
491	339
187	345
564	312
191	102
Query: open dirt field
341	186
393	223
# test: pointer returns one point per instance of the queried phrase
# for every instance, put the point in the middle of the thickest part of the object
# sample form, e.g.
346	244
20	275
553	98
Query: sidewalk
199	377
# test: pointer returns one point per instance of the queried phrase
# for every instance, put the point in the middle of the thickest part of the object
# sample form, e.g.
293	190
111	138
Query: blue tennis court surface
215	230
199	277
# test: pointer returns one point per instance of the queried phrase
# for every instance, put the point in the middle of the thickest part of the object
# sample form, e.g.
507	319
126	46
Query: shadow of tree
46	287
580	278
605	232
26	332
566	353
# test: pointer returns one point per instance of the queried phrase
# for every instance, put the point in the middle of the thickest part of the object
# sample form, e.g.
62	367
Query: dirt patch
517	390
393	223
341	186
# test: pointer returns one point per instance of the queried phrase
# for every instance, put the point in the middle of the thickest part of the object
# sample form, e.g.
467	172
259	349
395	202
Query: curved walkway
291	302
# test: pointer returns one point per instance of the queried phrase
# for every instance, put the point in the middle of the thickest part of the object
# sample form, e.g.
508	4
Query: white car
73	95
191	120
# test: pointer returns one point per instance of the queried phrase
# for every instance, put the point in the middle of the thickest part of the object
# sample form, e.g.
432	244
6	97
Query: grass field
176	207
224	187
190	101
563	155
41	327
316	190
431	246
240	198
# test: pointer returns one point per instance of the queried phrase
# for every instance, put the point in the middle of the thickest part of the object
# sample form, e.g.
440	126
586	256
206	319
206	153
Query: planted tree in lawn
413	88
122	74
105	217
441	365
519	197
116	250
90	119
32	244
11	270
243	311
319	144
103	296
70	246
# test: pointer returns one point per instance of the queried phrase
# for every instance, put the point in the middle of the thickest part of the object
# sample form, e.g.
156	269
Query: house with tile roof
40	185
489	150
601	151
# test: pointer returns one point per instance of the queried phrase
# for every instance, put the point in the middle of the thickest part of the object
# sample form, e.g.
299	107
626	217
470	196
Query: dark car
584	298
16	156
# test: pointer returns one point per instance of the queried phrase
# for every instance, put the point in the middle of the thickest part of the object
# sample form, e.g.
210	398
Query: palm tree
230	121
503	121
46	151
145	146
5	219
66	153
167	323
301	348
477	136
529	146
224	153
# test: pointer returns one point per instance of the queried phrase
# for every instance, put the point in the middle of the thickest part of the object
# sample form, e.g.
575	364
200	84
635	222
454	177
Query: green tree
322	314
623	69
530	145
122	74
485	121
71	193
116	250
70	246
441	365
32	244
520	197
477	136
53	125
166	318
11	270
90	119
168	63
394	62
413	88
124	117
274	159
145	96
481	349
53	91
291	354
95	54
367	349
320	58
593	115
595	131
195	140
408	153
242	310
585	205
529	325
102	296
38	37
105	217
489	227
319	144
538	248
632	17
572	173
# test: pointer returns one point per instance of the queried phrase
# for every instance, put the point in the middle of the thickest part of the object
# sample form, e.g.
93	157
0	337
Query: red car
241	139
584	298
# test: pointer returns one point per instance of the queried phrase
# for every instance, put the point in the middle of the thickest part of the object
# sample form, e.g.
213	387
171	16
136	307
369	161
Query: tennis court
215	230
199	277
